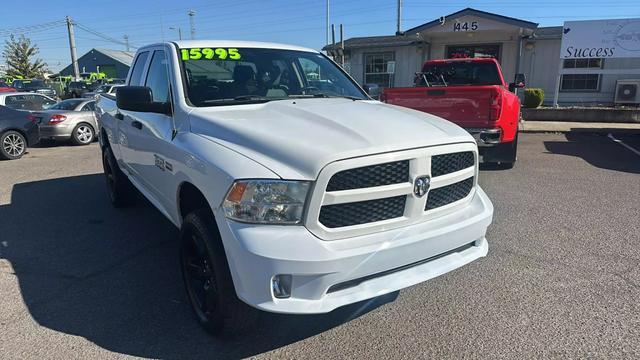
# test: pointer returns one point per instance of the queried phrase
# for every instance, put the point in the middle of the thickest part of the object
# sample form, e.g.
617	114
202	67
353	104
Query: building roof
409	37
478	13
125	57
376	41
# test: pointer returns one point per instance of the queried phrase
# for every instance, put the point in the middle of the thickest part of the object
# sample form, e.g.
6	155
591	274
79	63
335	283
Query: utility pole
328	26
334	51
341	46
126	42
72	48
399	27
191	14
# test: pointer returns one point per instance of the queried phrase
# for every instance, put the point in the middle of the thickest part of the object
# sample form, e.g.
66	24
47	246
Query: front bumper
355	269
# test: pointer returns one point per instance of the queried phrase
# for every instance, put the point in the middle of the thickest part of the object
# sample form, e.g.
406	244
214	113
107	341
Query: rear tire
83	134
12	145
207	278
119	188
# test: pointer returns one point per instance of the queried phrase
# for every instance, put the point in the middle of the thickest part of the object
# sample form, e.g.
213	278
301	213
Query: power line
103	36
32	28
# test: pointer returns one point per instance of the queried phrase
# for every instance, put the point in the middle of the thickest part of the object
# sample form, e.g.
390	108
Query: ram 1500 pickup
295	192
473	94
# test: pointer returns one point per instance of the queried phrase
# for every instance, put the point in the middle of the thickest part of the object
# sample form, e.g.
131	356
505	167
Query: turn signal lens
57	119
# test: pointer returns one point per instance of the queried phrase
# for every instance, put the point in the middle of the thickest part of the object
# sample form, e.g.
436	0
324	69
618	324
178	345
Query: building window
582	63
473	51
375	69
581	82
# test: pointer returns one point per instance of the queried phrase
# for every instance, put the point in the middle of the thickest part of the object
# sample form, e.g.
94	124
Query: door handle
136	124
119	116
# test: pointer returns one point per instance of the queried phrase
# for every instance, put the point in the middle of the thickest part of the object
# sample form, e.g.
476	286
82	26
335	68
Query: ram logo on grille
421	186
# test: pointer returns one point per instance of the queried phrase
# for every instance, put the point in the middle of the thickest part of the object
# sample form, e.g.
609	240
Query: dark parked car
78	89
18	130
35	86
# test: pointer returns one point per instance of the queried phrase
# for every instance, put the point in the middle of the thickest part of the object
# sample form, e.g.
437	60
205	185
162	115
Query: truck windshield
459	74
223	76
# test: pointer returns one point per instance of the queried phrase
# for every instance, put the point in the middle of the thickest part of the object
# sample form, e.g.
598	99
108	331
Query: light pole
179	31
192	23
327	18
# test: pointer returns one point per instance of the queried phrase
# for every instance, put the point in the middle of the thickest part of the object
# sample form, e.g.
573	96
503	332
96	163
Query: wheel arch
190	198
104	143
95	131
20	131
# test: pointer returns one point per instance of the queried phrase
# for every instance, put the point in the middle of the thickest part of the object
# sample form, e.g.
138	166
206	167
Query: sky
103	24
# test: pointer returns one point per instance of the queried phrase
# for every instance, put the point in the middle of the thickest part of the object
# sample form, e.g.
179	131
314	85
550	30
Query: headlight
266	201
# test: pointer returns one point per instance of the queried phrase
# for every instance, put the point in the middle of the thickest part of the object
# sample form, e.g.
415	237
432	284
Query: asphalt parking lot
79	279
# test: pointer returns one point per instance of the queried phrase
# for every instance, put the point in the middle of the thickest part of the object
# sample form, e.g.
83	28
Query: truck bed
467	106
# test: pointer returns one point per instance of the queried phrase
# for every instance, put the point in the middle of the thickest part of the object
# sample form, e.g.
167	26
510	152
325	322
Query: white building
520	46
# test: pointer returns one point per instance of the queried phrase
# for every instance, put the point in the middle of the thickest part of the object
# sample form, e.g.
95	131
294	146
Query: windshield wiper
325	95
240	99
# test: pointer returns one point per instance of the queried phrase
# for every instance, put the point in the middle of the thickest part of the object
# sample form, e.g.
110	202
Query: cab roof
233	44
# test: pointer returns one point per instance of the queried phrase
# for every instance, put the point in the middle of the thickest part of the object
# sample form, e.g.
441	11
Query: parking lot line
637	152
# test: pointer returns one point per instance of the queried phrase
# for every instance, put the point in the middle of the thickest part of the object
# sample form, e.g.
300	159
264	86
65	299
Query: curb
581	130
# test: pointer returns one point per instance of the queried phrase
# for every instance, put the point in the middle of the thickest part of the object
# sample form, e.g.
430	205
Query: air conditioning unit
627	92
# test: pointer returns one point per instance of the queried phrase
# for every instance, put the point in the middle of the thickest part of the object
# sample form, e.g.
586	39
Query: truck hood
297	138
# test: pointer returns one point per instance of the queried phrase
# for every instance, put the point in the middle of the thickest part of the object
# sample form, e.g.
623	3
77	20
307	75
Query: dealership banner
619	38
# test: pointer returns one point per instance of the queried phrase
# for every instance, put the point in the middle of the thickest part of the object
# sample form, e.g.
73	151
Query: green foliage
533	98
19	54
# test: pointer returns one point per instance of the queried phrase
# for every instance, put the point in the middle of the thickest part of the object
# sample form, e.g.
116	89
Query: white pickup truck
294	191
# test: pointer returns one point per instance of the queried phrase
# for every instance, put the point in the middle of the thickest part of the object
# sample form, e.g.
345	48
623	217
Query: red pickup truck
473	94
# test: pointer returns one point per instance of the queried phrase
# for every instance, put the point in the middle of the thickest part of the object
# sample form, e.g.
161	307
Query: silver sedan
71	119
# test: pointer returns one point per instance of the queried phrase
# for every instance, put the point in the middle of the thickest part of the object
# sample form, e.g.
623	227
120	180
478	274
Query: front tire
119	188
83	134
207	278
12	145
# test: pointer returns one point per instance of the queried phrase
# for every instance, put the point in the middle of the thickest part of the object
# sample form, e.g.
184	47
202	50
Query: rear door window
15	101
138	69
39	102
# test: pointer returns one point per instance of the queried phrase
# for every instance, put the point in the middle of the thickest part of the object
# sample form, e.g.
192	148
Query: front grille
448	163
369	176
448	194
362	212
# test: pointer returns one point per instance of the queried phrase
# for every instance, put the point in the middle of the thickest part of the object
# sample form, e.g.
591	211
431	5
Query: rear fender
510	116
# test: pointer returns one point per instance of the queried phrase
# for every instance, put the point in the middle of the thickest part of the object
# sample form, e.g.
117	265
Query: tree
19	54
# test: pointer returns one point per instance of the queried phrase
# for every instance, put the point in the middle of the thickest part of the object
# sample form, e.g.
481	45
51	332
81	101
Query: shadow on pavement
112	276
598	150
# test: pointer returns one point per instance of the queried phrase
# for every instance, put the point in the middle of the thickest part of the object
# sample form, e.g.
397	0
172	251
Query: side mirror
518	83
372	89
140	99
